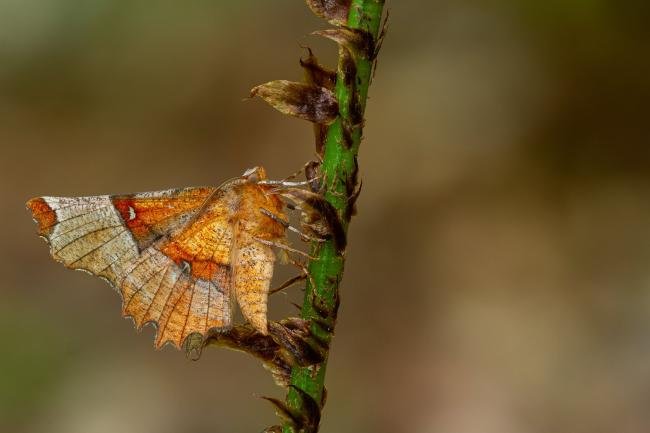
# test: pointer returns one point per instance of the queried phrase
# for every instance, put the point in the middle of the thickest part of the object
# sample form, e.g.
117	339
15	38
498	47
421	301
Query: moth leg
307	169
283	247
305	237
303	169
310	170
337	194
305	271
317	216
290	282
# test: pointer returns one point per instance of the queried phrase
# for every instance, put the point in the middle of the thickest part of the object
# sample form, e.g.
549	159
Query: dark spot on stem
356	111
312	173
348	141
348	67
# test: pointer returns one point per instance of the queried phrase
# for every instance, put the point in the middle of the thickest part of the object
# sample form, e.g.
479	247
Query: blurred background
498	274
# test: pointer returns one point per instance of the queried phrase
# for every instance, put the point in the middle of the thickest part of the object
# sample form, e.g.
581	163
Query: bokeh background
498	270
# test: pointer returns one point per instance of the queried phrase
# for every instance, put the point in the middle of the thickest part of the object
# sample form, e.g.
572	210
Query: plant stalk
339	169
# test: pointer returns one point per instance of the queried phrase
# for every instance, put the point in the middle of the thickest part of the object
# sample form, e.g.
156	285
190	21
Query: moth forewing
177	256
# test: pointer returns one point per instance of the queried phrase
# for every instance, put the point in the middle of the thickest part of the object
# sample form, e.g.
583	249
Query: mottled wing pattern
254	260
122	239
252	278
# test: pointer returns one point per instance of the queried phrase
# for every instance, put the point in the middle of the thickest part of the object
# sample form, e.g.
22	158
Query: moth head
255	174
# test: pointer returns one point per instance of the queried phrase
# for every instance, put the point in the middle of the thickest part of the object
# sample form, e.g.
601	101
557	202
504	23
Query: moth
181	257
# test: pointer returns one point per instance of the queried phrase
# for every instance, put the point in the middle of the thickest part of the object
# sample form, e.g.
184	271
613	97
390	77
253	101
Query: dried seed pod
310	415
334	11
317	74
359	42
289	343
245	338
305	101
295	345
319	216
284	412
304	421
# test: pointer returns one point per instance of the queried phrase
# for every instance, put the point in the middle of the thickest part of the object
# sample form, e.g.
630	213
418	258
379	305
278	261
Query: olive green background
498	276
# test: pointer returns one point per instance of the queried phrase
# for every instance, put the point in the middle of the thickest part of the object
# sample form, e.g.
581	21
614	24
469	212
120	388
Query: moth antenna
275	217
284	183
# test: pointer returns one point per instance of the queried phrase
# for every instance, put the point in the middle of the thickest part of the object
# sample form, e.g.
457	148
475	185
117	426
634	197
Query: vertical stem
339	170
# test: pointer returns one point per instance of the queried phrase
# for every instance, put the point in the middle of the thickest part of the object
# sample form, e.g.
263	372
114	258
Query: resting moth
177	257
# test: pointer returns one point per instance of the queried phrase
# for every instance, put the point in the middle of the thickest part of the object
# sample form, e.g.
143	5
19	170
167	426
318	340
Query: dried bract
334	11
319	216
289	343
310	417
359	42
317	74
305	101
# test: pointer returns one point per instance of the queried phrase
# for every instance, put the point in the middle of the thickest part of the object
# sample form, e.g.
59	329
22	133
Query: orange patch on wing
134	220
43	214
176	253
204	269
142	216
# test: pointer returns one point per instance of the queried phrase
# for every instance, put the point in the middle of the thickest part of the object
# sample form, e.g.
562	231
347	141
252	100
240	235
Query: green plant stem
339	168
